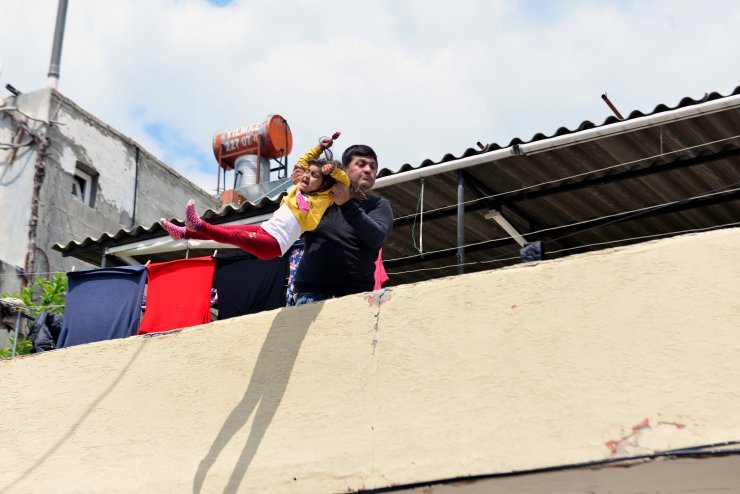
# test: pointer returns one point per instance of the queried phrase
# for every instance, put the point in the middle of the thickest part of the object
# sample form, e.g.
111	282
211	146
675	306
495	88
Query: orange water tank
270	138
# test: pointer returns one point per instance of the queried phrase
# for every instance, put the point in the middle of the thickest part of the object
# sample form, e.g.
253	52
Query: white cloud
414	79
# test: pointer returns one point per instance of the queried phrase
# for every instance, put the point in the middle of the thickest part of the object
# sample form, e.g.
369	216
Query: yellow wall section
619	352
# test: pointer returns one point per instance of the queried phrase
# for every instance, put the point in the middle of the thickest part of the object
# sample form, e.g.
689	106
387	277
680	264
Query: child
299	211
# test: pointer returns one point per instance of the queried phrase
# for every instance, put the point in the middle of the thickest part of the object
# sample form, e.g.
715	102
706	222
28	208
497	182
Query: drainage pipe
56	50
460	222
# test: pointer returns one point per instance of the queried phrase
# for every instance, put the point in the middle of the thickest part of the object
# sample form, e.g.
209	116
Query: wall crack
376	299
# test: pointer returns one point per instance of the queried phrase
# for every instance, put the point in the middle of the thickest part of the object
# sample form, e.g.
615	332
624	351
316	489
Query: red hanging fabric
178	295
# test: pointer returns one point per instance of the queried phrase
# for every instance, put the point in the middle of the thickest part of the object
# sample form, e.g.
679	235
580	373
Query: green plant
41	295
24	347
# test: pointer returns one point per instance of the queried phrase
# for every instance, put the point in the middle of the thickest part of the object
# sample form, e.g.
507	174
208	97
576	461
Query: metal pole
460	222
56	51
15	339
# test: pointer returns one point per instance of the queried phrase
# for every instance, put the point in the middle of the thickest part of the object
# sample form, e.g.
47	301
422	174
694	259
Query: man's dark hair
357	150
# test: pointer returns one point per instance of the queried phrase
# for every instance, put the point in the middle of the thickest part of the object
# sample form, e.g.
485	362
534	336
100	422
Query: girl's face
312	179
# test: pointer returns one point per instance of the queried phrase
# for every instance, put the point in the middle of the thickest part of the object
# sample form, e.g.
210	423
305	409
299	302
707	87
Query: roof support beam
496	216
494	212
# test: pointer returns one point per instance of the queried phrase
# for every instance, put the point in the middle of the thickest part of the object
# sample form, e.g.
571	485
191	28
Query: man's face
361	171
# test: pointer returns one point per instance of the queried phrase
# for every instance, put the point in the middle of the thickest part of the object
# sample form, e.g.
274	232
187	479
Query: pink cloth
380	275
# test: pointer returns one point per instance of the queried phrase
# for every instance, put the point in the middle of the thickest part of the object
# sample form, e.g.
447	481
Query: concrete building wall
131	186
16	183
606	354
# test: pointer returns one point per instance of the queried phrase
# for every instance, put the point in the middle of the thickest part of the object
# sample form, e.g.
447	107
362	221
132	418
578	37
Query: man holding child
339	255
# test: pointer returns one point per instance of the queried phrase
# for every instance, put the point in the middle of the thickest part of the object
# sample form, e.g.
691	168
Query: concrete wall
16	183
133	187
614	353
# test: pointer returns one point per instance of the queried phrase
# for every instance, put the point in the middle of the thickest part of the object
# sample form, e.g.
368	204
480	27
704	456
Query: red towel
380	275
178	295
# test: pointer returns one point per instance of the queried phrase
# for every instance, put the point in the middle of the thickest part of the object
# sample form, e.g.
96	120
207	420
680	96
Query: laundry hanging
45	331
102	304
178	295
246	285
294	257
380	275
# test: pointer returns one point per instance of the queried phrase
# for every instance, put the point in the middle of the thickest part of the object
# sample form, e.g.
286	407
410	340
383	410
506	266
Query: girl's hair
328	179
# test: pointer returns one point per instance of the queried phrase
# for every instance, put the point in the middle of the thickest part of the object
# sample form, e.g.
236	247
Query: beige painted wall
620	352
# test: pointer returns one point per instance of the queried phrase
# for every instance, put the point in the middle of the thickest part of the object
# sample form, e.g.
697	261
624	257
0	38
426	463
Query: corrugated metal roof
631	185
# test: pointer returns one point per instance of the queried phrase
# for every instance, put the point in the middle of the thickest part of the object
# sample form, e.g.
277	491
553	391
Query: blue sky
415	79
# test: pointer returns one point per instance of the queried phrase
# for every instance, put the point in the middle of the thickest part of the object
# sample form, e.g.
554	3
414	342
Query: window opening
83	186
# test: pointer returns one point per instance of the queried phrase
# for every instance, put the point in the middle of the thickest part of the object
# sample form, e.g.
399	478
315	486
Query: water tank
251	169
270	139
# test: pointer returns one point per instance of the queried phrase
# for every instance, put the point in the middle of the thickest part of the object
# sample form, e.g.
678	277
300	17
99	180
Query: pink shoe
192	220
176	232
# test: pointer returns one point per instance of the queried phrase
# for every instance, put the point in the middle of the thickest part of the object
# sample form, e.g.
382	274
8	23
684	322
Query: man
339	255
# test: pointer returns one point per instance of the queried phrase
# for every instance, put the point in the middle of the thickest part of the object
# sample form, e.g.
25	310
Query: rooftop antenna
56	51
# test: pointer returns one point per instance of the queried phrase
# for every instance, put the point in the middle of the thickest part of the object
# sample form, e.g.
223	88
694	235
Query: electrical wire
621	216
645	237
6	147
17	110
611	242
33	273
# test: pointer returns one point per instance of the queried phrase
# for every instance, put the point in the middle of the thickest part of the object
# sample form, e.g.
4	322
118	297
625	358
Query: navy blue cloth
45	331
246	285
102	304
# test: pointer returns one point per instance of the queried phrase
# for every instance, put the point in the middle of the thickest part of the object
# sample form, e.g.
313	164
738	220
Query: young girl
299	211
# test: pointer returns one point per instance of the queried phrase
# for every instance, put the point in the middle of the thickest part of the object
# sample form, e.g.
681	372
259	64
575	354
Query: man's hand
339	193
326	142
296	175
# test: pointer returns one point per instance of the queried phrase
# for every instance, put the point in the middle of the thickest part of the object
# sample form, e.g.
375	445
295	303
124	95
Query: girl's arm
336	173
314	153
302	164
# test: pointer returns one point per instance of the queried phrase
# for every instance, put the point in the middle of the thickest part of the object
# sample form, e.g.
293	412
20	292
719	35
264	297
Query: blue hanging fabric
102	304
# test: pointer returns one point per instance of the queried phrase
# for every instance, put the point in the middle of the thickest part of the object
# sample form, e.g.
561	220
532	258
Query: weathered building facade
64	174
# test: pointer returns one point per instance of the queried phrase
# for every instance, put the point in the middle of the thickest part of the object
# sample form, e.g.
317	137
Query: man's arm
373	227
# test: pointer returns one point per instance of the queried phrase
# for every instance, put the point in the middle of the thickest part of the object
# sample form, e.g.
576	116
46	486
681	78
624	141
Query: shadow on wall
93	406
263	394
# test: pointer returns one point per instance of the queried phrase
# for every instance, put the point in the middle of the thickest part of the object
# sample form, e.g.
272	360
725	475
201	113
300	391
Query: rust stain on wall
621	447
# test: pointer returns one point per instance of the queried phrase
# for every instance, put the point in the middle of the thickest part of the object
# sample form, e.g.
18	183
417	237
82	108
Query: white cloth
284	226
